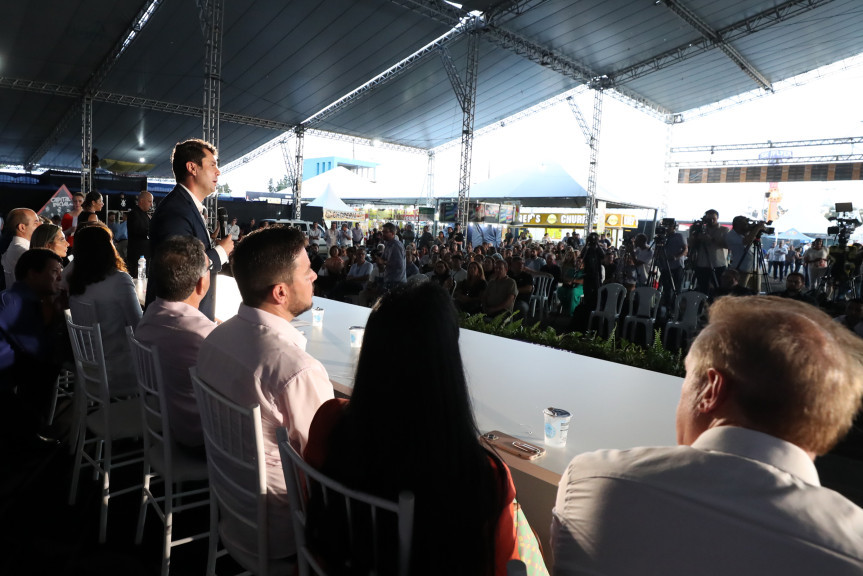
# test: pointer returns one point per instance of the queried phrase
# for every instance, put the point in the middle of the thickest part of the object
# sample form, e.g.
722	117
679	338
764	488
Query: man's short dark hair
264	258
178	263
389	226
34	260
712	211
192	150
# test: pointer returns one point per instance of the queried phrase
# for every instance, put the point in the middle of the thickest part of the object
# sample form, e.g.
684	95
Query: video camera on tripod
768	229
660	234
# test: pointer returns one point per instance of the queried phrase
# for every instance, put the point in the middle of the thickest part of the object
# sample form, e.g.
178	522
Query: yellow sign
569	220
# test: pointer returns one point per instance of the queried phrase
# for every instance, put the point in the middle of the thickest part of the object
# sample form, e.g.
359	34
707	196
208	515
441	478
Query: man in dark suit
138	231
196	169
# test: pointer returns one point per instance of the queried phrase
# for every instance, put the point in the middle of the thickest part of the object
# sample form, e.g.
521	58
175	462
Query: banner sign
342	216
558	220
58	204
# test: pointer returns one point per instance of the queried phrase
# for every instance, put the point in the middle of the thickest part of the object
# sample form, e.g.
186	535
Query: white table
511	382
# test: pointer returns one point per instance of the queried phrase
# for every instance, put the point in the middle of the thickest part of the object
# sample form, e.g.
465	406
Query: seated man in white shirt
174	325
358	275
259	357
771	383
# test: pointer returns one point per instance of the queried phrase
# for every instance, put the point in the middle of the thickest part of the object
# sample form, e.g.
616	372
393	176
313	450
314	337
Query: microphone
223	221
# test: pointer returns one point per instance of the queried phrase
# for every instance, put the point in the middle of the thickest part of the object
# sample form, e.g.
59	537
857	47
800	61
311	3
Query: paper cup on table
317	316
356	333
556	426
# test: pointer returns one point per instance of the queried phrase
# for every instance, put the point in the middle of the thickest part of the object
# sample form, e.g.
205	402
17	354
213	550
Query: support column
594	158
430	181
87	145
300	132
211	13
468	110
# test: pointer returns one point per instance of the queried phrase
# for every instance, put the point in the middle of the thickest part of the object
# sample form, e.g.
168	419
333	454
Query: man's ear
715	392
200	289
279	293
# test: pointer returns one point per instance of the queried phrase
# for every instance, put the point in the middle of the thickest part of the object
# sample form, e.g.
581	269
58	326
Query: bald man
22	222
138	230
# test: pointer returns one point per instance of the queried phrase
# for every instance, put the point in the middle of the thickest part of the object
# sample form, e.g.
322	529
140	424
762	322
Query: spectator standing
138	230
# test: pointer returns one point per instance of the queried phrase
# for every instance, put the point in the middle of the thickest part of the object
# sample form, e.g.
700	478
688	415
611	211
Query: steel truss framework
95	81
87	145
848	140
754	23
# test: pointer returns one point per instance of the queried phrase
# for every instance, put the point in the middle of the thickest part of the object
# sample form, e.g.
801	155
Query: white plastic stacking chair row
100	422
234	440
162	458
302	480
641	315
609	305
682	326
541	286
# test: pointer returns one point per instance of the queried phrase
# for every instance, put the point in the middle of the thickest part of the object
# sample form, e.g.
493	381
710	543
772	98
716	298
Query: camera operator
710	252
669	259
739	241
593	257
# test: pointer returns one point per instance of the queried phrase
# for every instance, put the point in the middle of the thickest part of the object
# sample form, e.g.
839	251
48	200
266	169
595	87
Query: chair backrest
689	307
611	298
644	302
303	480
154	405
89	360
234	442
83	313
542	284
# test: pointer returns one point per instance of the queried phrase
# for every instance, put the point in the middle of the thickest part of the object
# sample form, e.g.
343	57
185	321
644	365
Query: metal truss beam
299	132
386	76
437	10
579	118
211	14
429	196
96	79
468	112
754	23
769	144
594	161
828	159
87	145
518	116
290	166
691	18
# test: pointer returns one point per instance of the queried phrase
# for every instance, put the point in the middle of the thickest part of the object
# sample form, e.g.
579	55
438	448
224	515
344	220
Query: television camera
660	234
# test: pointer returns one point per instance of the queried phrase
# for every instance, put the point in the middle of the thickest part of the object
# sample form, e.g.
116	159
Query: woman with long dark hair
99	280
413	429
468	292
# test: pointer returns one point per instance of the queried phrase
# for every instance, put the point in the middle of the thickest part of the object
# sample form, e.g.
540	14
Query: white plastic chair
541	286
641	315
234	441
63	388
100	421
689	309
162	458
302	480
609	305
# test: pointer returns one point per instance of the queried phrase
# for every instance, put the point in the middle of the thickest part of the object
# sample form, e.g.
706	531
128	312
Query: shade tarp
329	200
802	221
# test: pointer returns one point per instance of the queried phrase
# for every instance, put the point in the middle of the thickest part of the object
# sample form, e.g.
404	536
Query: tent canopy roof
283	62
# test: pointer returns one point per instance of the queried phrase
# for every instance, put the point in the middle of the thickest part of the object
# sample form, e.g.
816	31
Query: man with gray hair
771	384
176	327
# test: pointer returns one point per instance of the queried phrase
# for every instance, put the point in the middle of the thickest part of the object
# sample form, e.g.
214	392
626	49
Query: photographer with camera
669	253
708	247
740	241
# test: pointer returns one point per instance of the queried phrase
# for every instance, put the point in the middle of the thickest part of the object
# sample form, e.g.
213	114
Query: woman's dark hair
90	199
95	257
410	427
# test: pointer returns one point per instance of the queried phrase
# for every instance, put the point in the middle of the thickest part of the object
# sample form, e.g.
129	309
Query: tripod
760	266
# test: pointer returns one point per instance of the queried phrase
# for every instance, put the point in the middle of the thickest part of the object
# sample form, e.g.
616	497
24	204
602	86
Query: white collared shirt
223	255
735	502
